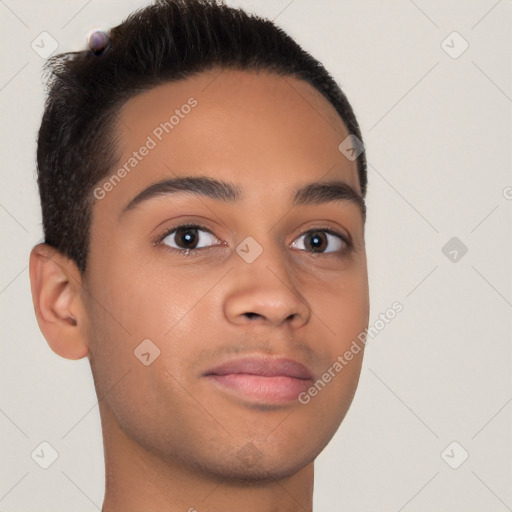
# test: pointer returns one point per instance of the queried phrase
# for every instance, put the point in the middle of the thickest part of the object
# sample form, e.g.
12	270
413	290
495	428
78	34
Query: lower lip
277	389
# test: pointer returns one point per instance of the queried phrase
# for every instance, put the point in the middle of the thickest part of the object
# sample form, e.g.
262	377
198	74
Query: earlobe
55	283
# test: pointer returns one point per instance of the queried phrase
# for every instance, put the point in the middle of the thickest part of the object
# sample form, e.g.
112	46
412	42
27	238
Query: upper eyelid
169	231
346	238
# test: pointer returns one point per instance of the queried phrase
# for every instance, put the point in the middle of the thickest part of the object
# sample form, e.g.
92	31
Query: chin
253	466
261	472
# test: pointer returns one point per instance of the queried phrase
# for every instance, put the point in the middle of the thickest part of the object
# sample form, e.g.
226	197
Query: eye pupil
318	242
190	235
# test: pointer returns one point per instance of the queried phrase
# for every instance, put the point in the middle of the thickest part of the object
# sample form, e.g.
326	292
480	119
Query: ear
56	283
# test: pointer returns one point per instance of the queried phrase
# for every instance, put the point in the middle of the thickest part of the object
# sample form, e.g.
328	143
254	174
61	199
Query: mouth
261	379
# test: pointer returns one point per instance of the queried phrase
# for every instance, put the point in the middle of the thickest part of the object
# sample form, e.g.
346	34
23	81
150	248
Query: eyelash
193	252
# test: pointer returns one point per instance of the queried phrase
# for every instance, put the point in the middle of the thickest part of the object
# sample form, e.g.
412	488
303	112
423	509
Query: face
245	292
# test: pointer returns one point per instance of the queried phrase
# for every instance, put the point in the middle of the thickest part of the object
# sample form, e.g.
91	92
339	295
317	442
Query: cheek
342	307
141	301
129	387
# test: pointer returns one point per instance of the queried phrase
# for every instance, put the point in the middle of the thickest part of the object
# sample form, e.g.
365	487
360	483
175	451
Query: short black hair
166	41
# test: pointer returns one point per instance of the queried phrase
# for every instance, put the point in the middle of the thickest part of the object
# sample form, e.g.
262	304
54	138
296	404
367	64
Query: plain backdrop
435	384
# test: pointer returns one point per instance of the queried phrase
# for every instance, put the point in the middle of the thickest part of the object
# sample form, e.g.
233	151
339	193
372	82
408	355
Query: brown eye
320	240
188	237
316	241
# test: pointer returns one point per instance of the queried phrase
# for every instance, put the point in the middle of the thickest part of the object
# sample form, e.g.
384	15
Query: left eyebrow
312	193
320	192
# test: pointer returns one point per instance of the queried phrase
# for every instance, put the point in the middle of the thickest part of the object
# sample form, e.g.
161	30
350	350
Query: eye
188	237
323	241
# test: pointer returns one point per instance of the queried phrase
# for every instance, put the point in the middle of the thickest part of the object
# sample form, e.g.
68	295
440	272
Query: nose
265	292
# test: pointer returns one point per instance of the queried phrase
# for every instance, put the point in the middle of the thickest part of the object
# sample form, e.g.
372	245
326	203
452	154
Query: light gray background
437	131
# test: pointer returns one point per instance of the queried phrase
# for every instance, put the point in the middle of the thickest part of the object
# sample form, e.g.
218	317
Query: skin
172	440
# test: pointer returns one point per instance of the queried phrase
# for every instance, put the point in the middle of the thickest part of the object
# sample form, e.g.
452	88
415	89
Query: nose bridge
264	259
264	287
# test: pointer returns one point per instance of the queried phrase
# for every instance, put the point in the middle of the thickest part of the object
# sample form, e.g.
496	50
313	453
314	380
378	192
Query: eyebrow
314	193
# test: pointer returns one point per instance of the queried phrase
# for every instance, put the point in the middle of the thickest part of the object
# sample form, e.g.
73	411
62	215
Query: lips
261	379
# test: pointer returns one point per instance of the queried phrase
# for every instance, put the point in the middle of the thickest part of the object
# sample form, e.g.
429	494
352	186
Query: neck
137	479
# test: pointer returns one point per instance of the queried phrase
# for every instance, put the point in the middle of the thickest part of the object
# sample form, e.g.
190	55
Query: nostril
251	315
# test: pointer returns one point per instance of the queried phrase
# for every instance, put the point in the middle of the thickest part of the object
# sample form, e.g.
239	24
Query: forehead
258	129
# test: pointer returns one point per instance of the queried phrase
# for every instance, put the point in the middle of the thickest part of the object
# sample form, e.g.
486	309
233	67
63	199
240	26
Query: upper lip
263	366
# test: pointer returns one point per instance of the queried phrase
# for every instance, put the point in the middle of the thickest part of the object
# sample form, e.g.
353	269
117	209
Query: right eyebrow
198	185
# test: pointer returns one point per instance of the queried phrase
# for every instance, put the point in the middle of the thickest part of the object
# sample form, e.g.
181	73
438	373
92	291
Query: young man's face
227	302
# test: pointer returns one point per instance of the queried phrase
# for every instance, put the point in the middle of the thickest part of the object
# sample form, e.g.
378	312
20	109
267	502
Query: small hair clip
99	41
